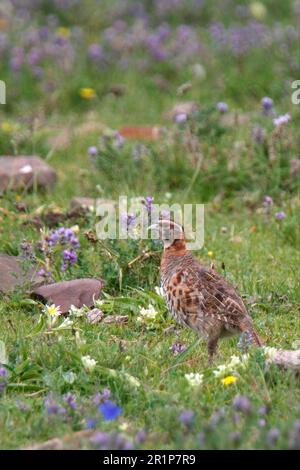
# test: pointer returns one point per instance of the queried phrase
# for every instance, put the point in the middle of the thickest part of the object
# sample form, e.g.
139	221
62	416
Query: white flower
88	363
69	377
124	426
194	379
132	380
235	361
76	312
221	370
149	313
52	312
269	352
67	323
75	228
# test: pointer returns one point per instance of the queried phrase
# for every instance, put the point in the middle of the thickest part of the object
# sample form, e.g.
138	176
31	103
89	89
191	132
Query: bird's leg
212	347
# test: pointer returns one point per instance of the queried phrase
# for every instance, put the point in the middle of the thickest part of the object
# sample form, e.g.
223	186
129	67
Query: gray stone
77	292
89	203
25	172
14	273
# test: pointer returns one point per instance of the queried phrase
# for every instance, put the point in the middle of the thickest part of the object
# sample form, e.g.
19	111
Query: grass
231	175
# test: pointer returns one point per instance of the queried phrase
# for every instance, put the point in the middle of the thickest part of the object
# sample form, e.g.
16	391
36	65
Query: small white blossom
194	379
67	323
235	361
76	312
69	377
149	313
52	312
88	363
221	370
132	380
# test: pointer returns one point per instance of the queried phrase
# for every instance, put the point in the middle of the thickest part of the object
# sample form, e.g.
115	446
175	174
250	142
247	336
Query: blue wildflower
110	410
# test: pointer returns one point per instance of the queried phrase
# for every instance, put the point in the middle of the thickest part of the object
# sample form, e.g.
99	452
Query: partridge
197	296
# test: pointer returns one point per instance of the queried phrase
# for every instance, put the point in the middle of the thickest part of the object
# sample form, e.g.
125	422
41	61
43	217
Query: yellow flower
230	379
210	254
87	93
258	10
63	32
6	127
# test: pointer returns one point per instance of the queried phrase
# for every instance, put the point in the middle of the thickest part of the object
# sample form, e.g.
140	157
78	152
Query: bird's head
171	233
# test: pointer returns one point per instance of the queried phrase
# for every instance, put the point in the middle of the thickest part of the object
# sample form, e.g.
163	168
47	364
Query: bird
197	296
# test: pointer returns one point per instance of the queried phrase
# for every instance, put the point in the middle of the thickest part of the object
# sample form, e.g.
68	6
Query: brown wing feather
204	292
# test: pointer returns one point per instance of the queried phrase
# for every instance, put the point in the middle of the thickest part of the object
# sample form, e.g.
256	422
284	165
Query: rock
95	316
115	319
25	172
186	107
69	441
77	292
88	203
13	273
287	359
140	132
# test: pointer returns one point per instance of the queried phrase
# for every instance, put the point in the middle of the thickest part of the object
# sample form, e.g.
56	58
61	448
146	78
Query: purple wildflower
52	407
242	403
3	372
3	379
70	400
180	118
100	439
148	202
267	105
140	437
110	410
258	135
234	437
100	397
69	259
273	436
263	410
127	220
222	107
280	215
186	417
165	214
90	423
178	348
92	151
118	140
95	52
268	201
280	120
261	423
